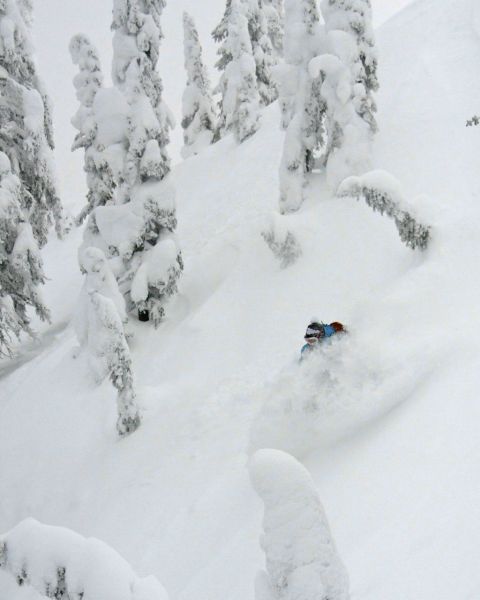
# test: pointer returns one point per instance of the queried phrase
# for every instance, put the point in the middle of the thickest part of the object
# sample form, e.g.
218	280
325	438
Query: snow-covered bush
240	105
281	241
59	563
99	325
382	192
302	562
199	119
87	84
25	120
21	269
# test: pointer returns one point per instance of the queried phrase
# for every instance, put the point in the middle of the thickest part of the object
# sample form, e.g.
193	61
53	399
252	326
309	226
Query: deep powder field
381	425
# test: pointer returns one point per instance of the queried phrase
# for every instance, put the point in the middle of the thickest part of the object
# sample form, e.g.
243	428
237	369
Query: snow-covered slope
392	443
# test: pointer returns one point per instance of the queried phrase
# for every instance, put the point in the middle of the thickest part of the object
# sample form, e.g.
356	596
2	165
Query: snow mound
56	561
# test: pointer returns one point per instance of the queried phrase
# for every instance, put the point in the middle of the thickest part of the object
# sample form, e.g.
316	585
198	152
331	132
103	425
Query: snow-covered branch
381	191
59	563
301	559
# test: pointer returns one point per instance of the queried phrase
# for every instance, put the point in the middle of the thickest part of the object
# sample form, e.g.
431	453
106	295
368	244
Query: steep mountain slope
392	443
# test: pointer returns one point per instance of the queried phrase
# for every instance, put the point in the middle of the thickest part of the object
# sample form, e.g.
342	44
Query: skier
317	333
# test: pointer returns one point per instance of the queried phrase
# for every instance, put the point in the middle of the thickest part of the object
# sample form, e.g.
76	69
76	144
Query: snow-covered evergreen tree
302	562
219	35
261	46
273	10
346	70
263	53
87	83
21	270
199	119
355	18
59	563
303	108
99	325
25	119
348	148
137	231
240	104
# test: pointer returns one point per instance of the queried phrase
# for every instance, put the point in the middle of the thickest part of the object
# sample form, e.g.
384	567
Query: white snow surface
391	439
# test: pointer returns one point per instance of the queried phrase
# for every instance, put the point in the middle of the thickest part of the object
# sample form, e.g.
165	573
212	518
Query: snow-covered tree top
15	44
90	78
196	71
301	23
137	35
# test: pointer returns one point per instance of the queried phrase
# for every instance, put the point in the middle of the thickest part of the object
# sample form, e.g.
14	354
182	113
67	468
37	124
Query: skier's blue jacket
328	332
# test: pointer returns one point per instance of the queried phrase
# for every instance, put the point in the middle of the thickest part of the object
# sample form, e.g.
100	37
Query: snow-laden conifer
381	191
355	18
301	559
263	53
99	325
261	46
21	269
303	108
140	228
274	15
25	119
59	563
199	119
348	148
87	83
240	104
219	35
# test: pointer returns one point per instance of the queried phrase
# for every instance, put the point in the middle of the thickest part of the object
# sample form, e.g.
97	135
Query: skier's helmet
315	331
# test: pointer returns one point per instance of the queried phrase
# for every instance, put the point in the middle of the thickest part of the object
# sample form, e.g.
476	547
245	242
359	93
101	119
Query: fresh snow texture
392	445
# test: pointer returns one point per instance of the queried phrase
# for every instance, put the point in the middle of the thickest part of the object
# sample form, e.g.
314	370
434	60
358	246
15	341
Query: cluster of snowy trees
326	85
250	38
130	254
29	204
